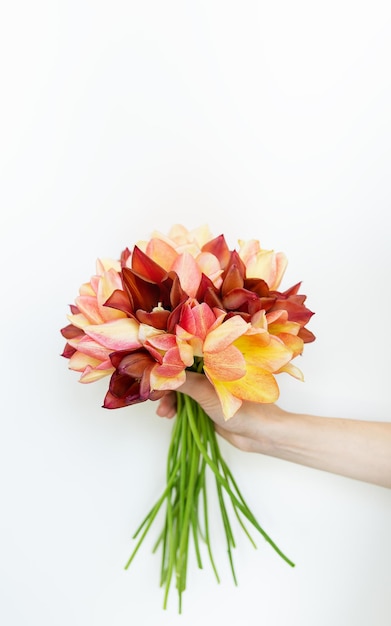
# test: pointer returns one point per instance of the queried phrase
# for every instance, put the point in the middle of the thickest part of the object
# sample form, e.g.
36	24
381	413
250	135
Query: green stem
193	448
149	519
245	510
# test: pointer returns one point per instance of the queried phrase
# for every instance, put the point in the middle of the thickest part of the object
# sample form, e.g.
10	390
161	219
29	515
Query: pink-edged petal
172	382
116	335
204	319
90	375
107	264
210	266
147	333
268	265
88	306
228	364
87	290
222	336
109	283
186	353
88	346
189	273
248	249
186	320
79	320
80	361
161	252
281	263
163	342
197	320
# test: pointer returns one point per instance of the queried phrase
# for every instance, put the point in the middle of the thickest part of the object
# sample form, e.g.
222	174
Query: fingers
167	406
198	387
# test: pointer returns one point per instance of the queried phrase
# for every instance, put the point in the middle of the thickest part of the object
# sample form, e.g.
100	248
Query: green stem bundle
193	448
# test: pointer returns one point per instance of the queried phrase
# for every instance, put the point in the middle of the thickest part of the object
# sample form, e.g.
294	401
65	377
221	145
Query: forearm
353	448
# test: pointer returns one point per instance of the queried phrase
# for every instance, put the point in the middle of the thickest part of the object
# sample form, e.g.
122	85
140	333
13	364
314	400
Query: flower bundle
187	302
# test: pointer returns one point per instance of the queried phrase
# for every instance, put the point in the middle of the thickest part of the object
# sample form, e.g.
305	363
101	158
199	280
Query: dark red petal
306	335
177	295
125	387
292	291
116	357
71	331
237	298
205	285
296	312
243	315
237	262
258	286
157	319
145	387
135	364
143	265
119	300
233	279
142	293
114	402
212	299
267	303
68	351
260	304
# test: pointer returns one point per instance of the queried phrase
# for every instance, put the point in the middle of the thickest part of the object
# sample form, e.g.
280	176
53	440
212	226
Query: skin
353	448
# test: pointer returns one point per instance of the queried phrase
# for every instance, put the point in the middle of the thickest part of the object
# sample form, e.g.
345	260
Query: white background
262	119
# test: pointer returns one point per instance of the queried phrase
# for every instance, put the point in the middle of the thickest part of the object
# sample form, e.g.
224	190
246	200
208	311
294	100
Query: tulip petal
270	358
79	361
256	386
229	403
161	252
219	248
292	370
189	273
119	334
228	364
221	337
88	346
88	306
90	375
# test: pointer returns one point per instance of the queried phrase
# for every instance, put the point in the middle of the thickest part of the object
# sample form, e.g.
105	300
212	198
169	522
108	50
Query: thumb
198	387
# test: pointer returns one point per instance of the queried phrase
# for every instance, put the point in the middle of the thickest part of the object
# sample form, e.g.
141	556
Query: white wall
263	119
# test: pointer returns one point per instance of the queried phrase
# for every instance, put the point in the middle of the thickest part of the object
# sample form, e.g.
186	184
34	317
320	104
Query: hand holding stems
353	448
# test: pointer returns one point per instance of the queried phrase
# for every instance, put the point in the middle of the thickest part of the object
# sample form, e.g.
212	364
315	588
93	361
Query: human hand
247	430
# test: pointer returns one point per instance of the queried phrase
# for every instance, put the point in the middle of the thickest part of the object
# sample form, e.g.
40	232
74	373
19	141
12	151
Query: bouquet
178	303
